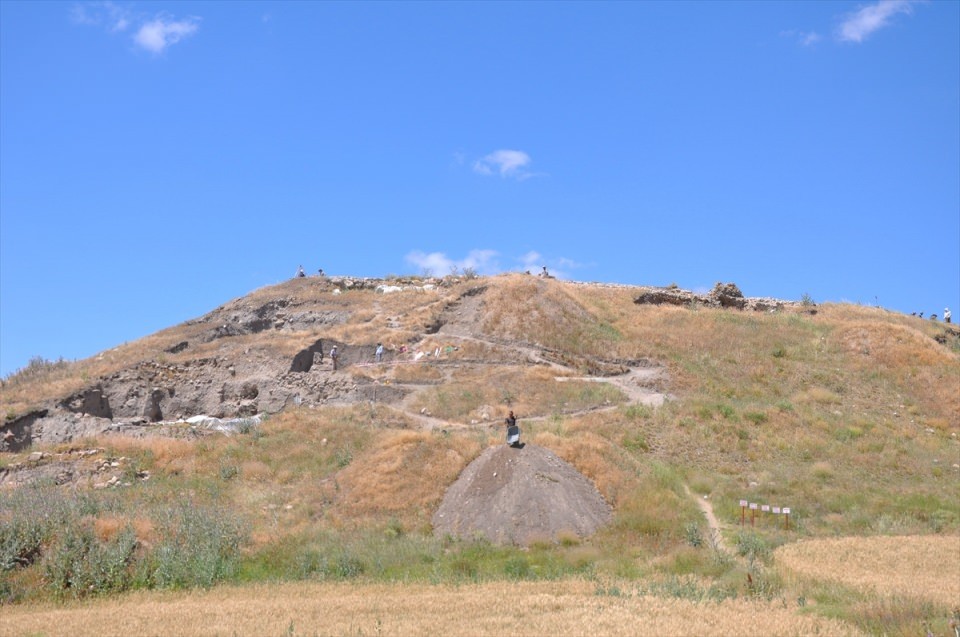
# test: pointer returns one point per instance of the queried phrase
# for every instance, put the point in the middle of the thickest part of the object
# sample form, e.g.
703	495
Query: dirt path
716	537
635	383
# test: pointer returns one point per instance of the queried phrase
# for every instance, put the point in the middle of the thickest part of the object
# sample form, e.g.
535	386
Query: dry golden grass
416	373
107	527
164	452
403	475
496	609
927	567
595	457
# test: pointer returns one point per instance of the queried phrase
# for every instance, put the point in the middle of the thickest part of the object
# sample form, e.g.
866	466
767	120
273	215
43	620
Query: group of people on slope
301	273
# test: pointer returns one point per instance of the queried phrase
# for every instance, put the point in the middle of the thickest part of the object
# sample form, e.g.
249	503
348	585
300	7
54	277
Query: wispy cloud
486	262
439	264
510	164
153	34
108	15
531	260
862	23
805	38
558	267
161	32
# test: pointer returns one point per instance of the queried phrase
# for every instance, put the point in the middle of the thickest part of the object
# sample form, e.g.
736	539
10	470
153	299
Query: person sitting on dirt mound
513	431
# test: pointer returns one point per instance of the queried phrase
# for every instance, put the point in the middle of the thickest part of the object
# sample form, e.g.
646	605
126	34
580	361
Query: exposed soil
716	537
520	495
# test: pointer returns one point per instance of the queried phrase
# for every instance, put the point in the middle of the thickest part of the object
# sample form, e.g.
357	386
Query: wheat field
476	610
925	567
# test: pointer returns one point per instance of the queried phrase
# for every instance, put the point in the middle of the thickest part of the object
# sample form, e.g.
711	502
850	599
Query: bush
753	547
201	547
53	530
37	367
693	535
20	542
80	564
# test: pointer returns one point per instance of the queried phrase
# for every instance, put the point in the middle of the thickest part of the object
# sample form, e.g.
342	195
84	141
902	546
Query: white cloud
559	267
153	34
531	260
485	262
806	38
439	264
506	163
860	24
111	16
161	32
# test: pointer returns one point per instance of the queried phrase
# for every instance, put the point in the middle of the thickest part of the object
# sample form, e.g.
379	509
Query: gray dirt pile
519	496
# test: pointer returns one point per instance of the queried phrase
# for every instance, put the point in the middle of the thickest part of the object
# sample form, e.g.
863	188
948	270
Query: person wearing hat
946	315
334	355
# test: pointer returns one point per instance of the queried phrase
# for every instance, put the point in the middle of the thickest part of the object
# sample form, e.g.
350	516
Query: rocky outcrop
728	295
723	295
138	399
17	434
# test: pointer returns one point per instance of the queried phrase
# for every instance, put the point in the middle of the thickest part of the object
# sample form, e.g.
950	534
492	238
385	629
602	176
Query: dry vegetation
532	392
550	608
850	416
924	567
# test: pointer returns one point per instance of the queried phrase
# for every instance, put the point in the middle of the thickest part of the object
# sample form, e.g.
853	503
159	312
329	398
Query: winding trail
716	537
635	383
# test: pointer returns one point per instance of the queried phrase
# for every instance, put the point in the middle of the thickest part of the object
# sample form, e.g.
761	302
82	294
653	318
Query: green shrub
517	567
753	547
636	442
638	412
78	564
200	547
20	542
693	535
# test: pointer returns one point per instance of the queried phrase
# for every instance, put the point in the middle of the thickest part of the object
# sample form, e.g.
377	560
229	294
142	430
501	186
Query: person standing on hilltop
946	315
513	431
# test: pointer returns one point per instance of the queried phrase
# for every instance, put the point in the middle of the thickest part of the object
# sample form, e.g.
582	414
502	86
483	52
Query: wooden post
753	514
743	511
786	518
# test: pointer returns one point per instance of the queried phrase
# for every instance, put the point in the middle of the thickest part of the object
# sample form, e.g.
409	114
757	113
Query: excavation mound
521	495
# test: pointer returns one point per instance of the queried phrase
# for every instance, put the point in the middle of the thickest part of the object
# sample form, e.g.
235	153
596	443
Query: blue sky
158	159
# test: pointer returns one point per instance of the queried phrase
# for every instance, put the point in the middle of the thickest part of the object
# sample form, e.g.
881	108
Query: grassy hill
848	415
